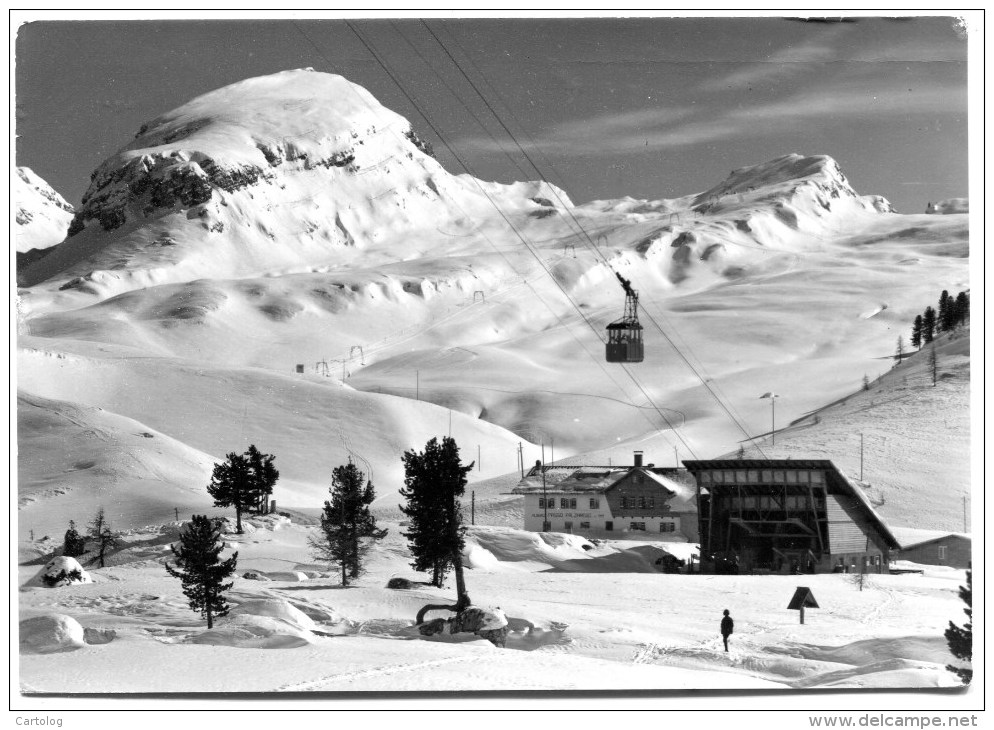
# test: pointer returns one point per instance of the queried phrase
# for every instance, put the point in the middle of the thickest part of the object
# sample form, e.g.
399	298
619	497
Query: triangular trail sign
803	598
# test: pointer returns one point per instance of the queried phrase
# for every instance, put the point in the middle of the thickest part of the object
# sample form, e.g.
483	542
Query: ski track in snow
378	671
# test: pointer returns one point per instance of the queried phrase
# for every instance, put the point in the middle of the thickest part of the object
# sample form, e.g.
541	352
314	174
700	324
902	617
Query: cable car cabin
624	337
624	342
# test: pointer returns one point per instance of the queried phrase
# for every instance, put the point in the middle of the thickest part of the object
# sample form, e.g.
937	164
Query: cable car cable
466	167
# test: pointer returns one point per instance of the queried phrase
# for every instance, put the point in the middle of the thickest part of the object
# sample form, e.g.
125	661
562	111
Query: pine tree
916	333
943	321
73	544
866	382
928	325
201	569
960	638
900	349
243	481
962	307
433	482
100	532
347	527
264	476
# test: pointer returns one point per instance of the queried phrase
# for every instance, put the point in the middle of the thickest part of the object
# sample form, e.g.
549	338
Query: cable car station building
786	515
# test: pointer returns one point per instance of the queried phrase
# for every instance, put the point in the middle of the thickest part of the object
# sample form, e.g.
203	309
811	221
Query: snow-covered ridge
949	206
280	171
42	215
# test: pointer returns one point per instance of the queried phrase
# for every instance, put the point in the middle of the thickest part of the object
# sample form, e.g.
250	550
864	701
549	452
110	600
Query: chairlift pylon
624	336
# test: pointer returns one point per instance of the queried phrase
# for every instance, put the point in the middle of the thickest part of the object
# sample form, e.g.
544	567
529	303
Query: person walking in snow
726	628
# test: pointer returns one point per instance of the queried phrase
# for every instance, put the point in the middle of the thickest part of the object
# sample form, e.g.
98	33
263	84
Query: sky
606	107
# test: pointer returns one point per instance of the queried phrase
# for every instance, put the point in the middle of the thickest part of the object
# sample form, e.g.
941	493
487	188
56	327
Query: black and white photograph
427	356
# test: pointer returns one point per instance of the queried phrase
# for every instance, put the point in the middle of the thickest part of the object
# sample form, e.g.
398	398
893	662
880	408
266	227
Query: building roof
910	537
600	479
836	481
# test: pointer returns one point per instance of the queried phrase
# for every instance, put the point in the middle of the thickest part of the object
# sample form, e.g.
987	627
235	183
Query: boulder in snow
275	608
61	571
487	623
50	634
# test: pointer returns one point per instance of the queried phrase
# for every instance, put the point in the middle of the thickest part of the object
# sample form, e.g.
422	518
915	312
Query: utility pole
472	507
521	459
861	456
676	457
545	499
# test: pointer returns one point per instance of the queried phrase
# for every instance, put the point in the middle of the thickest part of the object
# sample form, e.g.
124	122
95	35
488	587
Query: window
608	526
817	477
705	477
572	503
542	502
719	477
778	477
740	477
624	503
753	476
942	552
767	476
791	476
667	527
568	526
641	502
637	526
729	477
584	525
650	502
595	503
563	503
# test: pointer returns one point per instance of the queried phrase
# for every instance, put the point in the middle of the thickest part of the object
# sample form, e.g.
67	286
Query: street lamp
773	414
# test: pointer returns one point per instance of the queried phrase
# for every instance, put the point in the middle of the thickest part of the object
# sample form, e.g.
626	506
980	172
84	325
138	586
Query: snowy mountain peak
794	178
42	214
282	171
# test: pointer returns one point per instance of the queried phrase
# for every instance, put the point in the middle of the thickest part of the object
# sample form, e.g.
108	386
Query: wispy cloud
854	100
787	62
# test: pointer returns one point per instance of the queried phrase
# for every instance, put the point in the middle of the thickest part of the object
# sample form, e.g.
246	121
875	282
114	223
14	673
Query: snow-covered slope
42	216
291	220
915	438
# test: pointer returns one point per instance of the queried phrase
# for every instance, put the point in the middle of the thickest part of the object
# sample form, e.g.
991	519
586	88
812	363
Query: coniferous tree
243	481
916	333
866	382
264	476
347	527
201	569
960	638
900	349
100	532
962	307
73	544
943	320
928	325
433	482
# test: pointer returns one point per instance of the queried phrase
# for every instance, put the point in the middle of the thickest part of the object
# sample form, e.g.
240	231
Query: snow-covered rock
61	571
949	206
278	608
50	634
42	215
